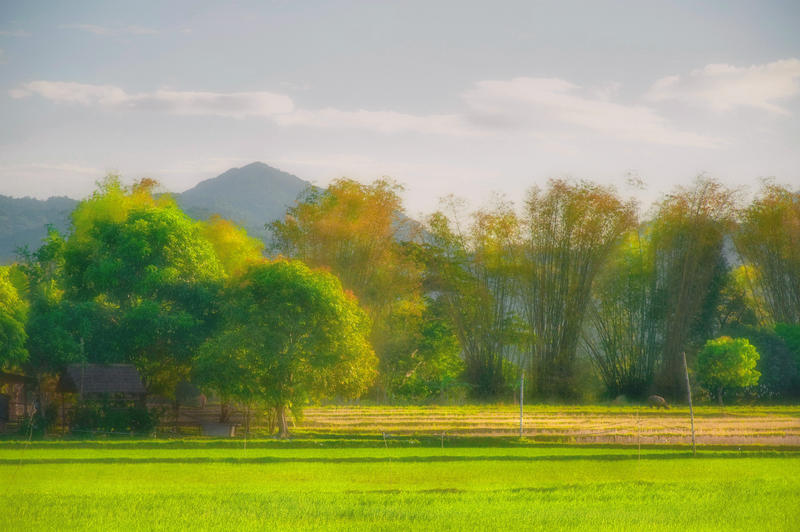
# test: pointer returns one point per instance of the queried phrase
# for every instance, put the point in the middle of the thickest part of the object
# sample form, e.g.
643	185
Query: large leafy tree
136	280
150	275
13	318
569	230
727	362
57	327
289	334
357	232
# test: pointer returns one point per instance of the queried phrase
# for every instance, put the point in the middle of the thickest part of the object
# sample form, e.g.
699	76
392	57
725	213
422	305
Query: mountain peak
252	195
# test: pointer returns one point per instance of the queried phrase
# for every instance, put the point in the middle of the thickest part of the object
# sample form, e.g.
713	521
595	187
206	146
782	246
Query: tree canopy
13	317
289	334
727	362
358	232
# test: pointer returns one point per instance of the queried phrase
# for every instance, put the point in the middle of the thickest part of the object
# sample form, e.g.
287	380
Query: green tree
13	318
727	362
289	335
55	325
143	276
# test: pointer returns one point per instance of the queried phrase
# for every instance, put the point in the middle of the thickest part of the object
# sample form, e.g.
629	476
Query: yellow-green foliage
13	315
728	362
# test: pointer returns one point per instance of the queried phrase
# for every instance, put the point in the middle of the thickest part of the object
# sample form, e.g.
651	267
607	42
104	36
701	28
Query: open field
213	485
432	468
760	425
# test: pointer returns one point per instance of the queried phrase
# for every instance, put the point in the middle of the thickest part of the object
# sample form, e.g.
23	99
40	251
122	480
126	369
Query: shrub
726	363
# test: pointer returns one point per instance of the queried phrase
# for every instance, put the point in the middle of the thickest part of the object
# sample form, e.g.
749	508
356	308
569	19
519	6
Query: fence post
689	395
521	395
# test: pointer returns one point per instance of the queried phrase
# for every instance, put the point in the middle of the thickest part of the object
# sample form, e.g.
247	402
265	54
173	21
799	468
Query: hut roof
101	379
11	378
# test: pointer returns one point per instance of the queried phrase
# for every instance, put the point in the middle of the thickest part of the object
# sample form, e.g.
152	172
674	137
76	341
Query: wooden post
521	392
63	416
689	395
638	436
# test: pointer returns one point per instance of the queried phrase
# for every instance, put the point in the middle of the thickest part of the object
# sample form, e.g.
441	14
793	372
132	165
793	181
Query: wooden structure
14	399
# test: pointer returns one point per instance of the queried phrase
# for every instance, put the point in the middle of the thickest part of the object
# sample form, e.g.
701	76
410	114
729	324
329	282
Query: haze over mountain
251	196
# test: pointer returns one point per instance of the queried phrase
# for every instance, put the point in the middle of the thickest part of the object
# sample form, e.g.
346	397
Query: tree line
573	287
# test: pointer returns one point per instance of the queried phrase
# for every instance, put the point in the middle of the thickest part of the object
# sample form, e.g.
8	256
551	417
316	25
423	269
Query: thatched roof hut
102	379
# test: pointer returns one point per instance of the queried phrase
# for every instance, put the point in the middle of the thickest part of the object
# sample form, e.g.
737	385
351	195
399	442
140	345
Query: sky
464	98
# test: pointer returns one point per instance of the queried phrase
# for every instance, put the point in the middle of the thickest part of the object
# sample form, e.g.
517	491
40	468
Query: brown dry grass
733	426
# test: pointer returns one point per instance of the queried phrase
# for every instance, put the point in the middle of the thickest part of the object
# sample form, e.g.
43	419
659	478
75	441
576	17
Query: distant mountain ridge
251	196
24	221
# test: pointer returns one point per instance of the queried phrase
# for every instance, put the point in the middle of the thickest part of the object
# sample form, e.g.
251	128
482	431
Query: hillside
252	196
24	221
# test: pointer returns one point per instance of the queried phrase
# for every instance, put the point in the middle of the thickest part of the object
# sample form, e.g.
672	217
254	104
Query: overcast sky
446	97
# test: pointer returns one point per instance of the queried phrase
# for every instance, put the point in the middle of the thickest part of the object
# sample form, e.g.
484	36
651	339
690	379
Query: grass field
354	479
212	485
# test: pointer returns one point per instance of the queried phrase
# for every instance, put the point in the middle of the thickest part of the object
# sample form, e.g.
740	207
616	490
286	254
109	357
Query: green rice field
406	483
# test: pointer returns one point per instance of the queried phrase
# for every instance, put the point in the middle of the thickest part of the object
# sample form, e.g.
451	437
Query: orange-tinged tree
768	238
235	249
356	231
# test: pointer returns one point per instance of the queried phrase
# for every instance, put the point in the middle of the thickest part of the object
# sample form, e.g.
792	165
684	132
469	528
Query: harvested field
593	424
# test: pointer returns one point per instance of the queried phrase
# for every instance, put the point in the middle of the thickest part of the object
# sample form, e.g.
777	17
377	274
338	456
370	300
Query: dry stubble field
770	426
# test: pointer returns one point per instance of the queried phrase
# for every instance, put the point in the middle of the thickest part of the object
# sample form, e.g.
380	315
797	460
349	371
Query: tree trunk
283	428
719	395
224	411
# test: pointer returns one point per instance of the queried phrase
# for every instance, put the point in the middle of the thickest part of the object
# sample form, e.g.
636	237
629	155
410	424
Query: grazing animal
657	401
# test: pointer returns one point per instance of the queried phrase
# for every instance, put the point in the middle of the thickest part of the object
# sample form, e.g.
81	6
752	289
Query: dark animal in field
657	401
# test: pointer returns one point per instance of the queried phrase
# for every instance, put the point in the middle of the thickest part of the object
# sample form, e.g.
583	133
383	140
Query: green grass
411	485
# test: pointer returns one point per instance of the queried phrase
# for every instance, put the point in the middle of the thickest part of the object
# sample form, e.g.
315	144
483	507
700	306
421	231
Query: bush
39	423
727	363
779	365
112	416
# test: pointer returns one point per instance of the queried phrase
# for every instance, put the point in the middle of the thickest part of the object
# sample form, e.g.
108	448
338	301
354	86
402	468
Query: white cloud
539	103
378	121
723	87
109	31
231	104
540	108
14	33
76	93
